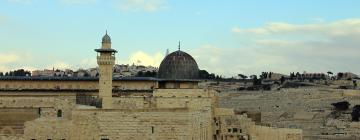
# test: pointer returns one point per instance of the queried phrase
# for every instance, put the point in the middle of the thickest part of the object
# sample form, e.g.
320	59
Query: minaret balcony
109	60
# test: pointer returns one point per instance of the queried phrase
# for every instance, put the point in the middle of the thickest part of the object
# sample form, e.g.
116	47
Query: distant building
313	75
43	73
346	75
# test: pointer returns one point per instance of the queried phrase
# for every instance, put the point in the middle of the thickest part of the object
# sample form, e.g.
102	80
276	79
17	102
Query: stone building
171	106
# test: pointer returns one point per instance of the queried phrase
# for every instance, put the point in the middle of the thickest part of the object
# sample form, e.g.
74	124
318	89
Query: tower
106	61
167	52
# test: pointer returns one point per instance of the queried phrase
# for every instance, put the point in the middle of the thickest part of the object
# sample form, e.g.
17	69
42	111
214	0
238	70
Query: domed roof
178	65
106	38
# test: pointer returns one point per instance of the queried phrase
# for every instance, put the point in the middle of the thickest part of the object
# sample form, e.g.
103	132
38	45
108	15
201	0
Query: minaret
106	61
167	52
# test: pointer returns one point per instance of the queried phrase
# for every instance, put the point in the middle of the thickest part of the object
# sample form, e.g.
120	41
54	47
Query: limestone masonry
171	107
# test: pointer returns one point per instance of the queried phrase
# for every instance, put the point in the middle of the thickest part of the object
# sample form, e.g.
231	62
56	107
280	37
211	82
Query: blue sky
226	37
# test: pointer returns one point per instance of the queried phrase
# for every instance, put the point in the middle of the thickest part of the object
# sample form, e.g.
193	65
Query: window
39	112
104	139
59	113
229	130
235	130
152	129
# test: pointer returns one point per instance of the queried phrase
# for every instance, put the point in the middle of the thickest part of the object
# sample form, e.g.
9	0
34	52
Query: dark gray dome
106	38
178	65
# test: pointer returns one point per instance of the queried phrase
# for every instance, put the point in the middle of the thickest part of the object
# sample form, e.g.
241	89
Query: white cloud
88	63
142	5
78	1
59	65
9	58
142	58
284	47
3	19
21	1
337	28
13	61
63	1
236	30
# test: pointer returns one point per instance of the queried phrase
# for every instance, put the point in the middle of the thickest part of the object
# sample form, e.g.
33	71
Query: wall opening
152	129
39	112
59	113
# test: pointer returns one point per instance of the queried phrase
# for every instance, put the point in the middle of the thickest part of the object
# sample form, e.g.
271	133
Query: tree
340	75
355	114
341	106
282	79
242	76
140	74
19	72
292	76
212	76
1	74
354	84
329	73
203	74
256	81
298	75
253	77
146	74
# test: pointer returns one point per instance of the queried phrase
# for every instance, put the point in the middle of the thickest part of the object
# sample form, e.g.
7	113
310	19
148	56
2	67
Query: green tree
242	76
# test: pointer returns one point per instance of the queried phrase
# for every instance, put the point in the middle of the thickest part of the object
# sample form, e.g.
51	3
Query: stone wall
15	110
241	127
309	109
144	124
73	85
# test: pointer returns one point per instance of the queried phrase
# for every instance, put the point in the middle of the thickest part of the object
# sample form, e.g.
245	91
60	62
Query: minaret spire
179	46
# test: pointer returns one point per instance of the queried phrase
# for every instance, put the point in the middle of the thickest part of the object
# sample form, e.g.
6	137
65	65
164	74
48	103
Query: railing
106	59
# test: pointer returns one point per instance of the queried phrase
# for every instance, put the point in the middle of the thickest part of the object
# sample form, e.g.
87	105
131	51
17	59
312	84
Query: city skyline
225	38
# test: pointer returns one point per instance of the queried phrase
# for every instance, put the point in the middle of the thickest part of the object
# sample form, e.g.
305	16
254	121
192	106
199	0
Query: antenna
179	45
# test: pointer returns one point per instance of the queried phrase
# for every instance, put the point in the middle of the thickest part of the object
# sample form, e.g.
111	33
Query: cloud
285	47
9	58
59	65
236	30
13	61
21	1
72	2
142	5
4	19
142	58
88	63
337	28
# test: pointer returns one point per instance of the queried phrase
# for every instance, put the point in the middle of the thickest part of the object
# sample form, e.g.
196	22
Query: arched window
59	113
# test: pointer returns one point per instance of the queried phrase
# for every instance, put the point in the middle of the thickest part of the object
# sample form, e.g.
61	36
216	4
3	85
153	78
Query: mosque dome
106	38
178	65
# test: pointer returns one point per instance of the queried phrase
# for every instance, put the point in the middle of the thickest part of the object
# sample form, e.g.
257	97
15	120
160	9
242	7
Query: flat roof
40	78
52	78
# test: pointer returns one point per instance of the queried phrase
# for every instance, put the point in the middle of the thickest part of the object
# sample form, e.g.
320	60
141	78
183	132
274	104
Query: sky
225	37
